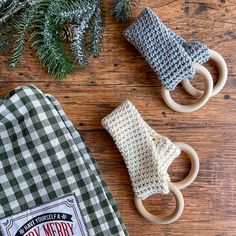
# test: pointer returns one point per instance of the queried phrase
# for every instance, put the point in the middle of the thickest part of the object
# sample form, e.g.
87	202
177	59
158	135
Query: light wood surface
121	73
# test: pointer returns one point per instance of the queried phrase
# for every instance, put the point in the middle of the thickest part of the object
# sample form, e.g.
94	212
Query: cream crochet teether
147	155
172	58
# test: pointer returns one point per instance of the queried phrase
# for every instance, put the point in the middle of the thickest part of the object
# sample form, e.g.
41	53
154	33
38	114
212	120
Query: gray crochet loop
198	51
169	55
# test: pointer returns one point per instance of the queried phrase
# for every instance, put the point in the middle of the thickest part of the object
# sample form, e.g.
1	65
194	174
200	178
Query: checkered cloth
43	157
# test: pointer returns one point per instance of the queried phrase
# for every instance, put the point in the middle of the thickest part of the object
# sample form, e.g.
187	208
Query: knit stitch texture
169	55
146	153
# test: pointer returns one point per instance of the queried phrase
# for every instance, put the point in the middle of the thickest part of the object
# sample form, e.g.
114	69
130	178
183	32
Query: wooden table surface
120	74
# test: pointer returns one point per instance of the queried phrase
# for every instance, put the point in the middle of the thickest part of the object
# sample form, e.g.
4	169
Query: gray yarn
198	51
169	55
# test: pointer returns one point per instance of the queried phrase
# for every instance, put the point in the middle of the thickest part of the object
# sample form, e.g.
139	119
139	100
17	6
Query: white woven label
57	218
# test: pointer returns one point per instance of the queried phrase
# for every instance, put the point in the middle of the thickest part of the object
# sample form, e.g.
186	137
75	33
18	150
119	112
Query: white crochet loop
148	156
146	153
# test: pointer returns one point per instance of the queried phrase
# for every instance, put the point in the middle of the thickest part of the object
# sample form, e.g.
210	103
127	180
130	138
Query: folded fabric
146	153
49	181
169	55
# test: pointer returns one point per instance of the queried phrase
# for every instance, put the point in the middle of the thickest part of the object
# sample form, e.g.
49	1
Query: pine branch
6	36
10	7
70	10
78	45
5	41
26	21
45	21
121	9
95	31
51	51
6	9
22	26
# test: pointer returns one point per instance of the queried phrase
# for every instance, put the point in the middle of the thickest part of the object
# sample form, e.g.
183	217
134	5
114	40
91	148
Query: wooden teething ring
192	155
223	73
156	219
174	188
201	101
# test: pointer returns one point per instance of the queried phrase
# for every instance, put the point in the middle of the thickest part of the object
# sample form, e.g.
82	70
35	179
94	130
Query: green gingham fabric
43	157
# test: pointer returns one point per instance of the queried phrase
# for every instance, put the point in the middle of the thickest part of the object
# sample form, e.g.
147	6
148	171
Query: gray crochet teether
169	55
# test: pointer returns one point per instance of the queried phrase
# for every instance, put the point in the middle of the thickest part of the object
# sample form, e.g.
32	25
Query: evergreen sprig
96	31
78	44
6	36
9	7
51	52
42	23
121	10
22	26
4	43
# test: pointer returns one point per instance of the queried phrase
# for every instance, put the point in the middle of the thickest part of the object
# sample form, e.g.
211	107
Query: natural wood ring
223	74
158	219
201	101
194	165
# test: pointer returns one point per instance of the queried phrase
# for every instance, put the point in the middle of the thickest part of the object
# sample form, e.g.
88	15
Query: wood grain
121	73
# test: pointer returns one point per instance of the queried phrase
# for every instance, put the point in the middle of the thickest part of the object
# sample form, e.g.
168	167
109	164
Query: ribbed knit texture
146	153
169	55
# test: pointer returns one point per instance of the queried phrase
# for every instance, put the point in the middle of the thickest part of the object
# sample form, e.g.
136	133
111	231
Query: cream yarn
146	153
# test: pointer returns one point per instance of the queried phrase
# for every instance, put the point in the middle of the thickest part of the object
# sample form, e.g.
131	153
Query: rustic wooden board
119	74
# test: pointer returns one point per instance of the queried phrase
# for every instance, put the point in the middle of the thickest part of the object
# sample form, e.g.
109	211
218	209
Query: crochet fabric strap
198	51
42	159
146	153
169	55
